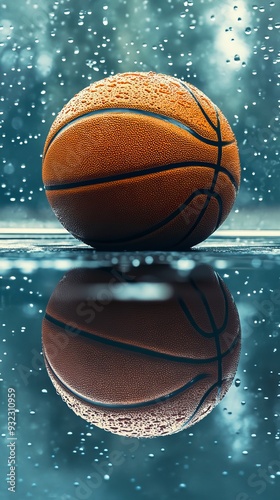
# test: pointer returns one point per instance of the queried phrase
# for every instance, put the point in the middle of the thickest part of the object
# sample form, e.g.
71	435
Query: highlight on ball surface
141	161
141	354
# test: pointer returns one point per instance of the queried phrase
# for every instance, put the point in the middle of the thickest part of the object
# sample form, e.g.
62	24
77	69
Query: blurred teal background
50	50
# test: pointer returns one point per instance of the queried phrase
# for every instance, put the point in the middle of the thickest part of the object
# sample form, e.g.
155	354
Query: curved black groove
215	330
218	346
185	85
157	226
220	213
201	402
220	149
135	111
140	173
150	402
201	213
139	350
217	170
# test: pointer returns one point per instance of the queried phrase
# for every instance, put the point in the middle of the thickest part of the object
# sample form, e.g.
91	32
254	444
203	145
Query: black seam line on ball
215	177
157	226
220	150
135	111
216	331
140	173
217	170
73	332
149	402
217	340
195	224
201	403
199	105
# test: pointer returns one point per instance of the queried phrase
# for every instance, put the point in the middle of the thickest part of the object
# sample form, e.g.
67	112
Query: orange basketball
141	161
141	367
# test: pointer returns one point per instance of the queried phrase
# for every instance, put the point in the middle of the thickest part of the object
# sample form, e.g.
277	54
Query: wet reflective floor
140	375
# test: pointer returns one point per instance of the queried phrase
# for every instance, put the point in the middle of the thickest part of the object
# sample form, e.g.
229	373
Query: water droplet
136	262
248	30
105	21
149	259
237	57
237	382
9	168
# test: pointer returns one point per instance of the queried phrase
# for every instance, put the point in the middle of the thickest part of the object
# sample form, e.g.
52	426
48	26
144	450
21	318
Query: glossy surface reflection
145	352
60	455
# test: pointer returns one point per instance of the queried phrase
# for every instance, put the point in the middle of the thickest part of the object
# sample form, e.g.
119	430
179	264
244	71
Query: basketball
146	366
141	161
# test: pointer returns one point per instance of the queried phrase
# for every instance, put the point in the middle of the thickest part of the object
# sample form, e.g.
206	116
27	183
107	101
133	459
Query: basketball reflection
143	353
